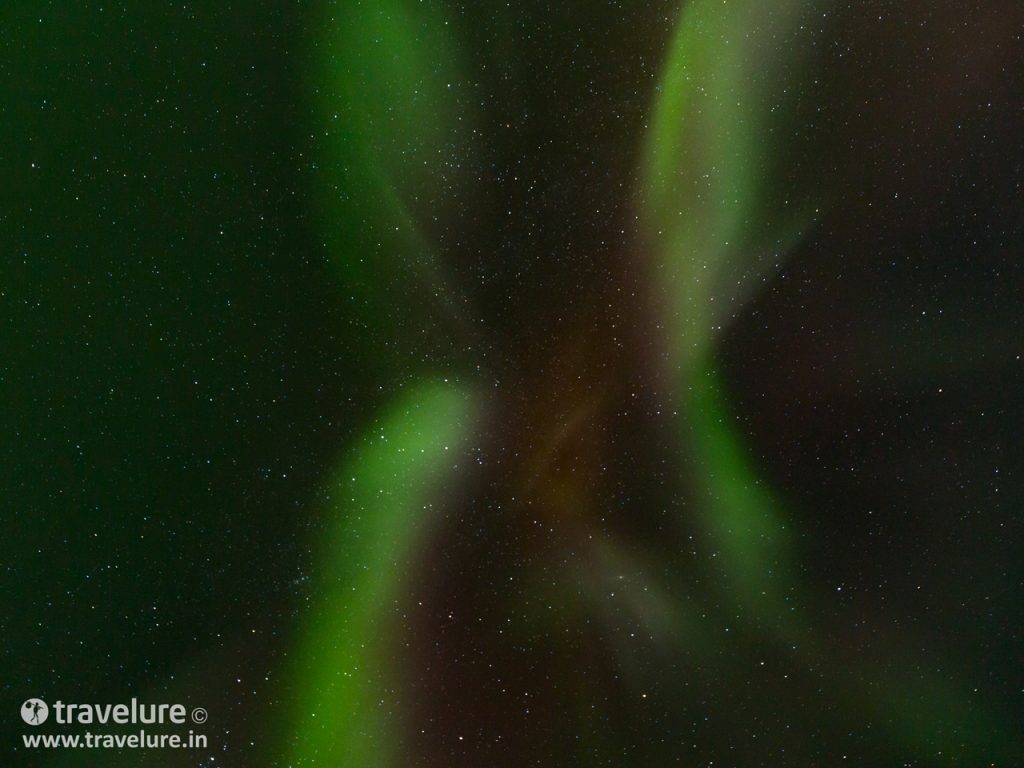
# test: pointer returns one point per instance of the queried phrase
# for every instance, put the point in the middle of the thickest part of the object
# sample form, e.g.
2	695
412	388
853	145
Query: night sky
507	384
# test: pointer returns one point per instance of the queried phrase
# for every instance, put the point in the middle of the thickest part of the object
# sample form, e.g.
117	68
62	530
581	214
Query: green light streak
390	104
715	230
381	503
739	512
710	221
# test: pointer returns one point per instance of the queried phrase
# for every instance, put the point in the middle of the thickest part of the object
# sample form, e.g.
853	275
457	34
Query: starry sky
486	385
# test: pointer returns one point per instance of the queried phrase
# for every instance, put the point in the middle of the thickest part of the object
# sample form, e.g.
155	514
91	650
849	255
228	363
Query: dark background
180	363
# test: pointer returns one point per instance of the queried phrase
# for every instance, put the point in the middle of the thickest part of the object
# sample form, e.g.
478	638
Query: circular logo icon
199	715
35	711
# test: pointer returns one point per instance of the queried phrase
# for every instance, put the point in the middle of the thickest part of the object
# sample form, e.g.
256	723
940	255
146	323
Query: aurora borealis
421	383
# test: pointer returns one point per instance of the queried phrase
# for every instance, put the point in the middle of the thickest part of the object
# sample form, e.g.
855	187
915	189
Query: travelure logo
35	711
